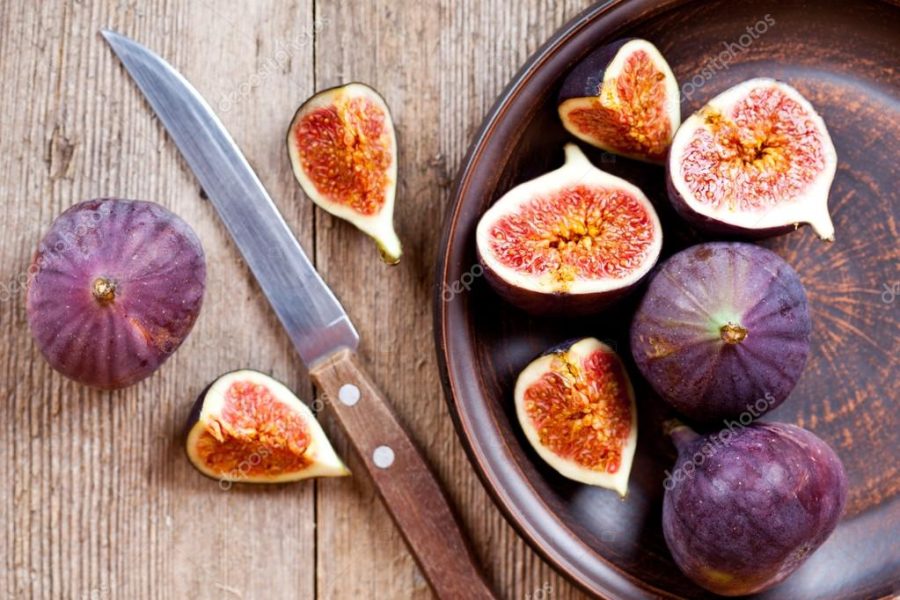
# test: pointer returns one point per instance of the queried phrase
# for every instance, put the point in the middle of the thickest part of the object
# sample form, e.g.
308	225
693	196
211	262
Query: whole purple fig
744	508
114	288
722	331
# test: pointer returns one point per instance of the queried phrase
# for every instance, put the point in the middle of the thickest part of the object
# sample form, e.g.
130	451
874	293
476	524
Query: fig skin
542	294
809	207
750	507
114	289
585	82
587	77
723	329
577	353
379	226
319	457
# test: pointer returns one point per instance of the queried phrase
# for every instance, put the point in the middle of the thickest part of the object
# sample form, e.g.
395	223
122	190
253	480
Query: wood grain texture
98	500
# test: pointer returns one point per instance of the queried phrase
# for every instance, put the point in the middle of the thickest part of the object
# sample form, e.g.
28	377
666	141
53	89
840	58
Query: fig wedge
623	98
343	150
247	427
756	161
576	406
569	242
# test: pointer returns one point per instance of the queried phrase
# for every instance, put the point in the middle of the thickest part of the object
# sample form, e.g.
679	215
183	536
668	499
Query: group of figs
116	286
722	330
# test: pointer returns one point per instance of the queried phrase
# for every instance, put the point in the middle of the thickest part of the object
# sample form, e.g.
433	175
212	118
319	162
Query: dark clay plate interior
843	57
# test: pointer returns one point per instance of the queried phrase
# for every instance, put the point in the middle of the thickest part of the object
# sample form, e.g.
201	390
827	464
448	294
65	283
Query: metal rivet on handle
348	394
383	457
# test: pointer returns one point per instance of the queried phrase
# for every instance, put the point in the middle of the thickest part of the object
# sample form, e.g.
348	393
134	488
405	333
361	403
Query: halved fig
114	289
623	98
755	161
570	241
576	406
247	427
343	150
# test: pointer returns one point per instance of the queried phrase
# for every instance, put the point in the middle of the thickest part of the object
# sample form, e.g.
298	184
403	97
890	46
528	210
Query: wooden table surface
98	500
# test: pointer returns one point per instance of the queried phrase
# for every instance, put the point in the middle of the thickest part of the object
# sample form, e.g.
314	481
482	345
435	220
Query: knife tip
111	36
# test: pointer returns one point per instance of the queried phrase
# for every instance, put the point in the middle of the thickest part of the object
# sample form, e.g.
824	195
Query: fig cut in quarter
247	427
343	149
623	98
576	406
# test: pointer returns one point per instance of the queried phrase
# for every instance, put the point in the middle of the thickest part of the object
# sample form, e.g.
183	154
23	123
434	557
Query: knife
320	330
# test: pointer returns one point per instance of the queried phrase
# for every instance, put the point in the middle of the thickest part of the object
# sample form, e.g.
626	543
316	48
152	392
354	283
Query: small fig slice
114	288
722	330
343	150
756	161
623	98
576	406
570	241
745	507
247	427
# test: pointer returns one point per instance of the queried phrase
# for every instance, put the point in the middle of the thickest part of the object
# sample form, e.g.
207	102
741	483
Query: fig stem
574	154
681	434
104	290
733	333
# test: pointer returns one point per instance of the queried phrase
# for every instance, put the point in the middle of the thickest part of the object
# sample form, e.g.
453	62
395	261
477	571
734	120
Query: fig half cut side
623	98
756	161
247	427
576	406
343	150
569	242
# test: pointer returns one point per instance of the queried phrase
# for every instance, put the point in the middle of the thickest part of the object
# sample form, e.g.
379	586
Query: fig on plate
755	161
576	406
570	241
745	507
623	98
723	329
247	427
114	288
343	151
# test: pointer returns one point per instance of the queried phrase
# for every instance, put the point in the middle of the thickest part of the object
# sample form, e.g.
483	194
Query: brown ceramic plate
841	55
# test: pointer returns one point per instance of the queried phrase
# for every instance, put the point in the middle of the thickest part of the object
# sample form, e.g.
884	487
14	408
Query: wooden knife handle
404	481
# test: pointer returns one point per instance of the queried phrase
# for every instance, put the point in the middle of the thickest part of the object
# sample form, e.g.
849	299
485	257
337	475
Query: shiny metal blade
312	316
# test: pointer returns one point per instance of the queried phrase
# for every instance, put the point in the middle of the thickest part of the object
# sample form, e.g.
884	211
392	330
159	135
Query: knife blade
318	326
316	322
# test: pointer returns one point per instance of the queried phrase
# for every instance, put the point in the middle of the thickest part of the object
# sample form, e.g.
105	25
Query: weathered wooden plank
440	66
98	500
